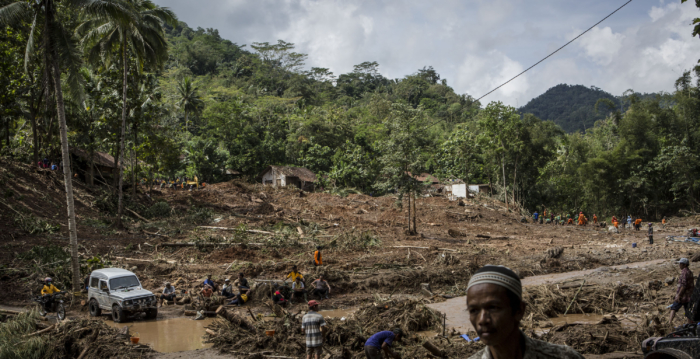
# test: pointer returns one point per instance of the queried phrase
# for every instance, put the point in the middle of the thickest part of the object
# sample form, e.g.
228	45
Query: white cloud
601	45
475	44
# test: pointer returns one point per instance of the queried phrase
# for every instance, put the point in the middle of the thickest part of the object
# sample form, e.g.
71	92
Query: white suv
119	291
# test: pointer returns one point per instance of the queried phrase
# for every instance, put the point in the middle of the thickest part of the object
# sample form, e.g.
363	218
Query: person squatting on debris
382	342
227	292
278	299
47	293
495	307
321	287
207	291
298	290
313	326
240	298
684	291
241	283
209	282
650	234
168	294
318	261
293	275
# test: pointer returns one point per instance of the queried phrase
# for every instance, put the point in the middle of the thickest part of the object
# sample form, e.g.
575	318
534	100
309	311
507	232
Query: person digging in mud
321	288
381	342
298	290
47	293
495	307
318	261
168	294
227	292
313	326
684	291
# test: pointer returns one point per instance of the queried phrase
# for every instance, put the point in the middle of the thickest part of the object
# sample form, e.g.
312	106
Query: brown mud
368	258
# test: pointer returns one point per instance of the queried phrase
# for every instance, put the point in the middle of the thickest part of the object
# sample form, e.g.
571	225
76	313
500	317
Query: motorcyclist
47	293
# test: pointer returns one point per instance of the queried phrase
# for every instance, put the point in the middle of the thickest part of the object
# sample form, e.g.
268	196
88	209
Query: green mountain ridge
572	107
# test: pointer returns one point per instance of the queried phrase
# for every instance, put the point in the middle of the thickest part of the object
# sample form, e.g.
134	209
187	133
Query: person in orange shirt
663	222
207	291
318	261
595	219
570	221
637	223
580	219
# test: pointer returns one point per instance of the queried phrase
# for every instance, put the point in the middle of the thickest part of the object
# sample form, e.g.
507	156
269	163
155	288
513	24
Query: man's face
490	313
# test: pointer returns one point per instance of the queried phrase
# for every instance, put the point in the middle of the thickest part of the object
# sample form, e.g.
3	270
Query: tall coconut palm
189	99
142	37
59	49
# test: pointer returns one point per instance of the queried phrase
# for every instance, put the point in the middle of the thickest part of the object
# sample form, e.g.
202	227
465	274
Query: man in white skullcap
495	306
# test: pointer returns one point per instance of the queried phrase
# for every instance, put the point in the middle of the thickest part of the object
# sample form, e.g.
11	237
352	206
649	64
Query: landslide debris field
382	276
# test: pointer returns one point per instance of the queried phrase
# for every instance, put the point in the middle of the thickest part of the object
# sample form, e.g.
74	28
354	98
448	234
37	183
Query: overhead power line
557	50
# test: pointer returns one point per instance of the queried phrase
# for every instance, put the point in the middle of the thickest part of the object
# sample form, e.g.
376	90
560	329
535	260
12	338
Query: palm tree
189	99
143	38
59	49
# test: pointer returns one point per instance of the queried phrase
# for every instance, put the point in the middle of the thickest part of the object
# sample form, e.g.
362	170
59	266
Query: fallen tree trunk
236	229
9	312
207	244
192	313
433	349
234	318
442	249
146	260
40	332
138	215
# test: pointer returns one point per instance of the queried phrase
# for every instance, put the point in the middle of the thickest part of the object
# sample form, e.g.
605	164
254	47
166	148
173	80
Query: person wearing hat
227	292
684	291
382	342
168	294
495	307
318	261
313	326
650	233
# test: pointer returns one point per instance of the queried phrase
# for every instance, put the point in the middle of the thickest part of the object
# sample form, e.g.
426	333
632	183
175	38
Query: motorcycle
56	305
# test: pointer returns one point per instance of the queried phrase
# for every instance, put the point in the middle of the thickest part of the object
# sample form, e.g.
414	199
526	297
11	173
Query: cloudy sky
475	44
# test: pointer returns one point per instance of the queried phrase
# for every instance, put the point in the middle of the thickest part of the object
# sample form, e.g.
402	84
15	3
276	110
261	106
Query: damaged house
284	176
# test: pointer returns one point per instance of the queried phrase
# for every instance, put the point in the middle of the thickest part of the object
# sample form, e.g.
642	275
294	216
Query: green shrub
160	209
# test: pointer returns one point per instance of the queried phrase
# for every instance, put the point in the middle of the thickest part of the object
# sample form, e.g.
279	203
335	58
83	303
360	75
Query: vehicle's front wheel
60	311
117	314
95	310
151	313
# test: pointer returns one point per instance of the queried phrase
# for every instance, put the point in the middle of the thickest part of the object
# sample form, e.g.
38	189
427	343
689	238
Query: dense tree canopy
202	105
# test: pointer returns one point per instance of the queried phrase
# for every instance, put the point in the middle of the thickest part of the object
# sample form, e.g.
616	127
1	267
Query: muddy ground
368	257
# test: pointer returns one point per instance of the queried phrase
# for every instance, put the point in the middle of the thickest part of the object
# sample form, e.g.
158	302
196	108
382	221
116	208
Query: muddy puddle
168	335
559	277
337	313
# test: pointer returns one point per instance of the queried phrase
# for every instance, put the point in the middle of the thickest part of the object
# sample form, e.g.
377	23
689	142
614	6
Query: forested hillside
573	107
194	104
